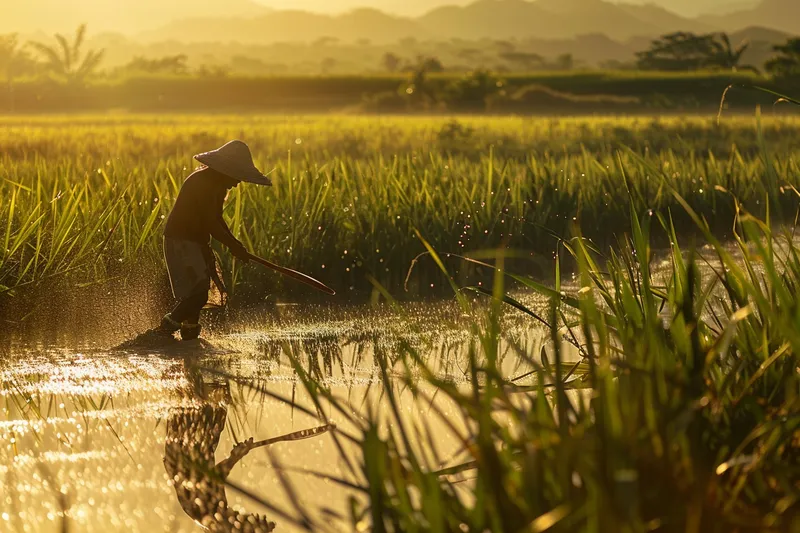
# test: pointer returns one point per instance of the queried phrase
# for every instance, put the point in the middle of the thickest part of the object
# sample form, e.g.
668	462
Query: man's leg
168	325
186	315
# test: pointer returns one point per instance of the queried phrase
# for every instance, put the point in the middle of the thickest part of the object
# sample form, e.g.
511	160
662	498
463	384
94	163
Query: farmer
194	220
193	434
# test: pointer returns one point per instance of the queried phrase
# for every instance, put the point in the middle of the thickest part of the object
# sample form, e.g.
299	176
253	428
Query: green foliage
67	61
428	64
523	61
472	92
174	65
14	60
84	197
679	414
391	62
786	63
657	90
682	51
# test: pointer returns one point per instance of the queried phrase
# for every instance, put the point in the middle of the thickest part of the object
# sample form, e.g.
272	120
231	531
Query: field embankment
539	93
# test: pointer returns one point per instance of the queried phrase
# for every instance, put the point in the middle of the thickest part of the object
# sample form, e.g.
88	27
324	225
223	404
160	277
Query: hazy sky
132	16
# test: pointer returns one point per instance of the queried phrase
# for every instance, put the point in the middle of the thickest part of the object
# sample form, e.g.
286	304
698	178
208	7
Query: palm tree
14	62
689	51
66	60
728	57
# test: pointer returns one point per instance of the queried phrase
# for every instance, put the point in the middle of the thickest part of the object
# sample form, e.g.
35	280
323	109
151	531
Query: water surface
97	440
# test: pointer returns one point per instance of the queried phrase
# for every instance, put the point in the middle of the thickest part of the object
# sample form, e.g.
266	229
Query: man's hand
242	449
237	454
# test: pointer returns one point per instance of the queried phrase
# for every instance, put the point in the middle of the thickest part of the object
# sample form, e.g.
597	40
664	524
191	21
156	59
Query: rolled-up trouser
190	277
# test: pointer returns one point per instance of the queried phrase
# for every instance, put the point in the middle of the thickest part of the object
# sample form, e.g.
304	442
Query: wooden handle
298	435
299	276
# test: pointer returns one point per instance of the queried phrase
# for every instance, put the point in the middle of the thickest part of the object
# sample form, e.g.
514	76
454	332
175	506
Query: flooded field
309	418
97	440
640	390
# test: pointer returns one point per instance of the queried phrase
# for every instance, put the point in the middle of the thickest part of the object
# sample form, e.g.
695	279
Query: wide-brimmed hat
235	161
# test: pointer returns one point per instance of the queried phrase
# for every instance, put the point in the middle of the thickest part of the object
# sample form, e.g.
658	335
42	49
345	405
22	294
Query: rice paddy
590	369
85	198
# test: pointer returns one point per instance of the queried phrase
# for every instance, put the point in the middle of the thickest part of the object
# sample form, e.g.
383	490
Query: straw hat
235	161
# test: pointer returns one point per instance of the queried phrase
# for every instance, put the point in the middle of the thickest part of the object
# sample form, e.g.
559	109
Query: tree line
68	59
685	51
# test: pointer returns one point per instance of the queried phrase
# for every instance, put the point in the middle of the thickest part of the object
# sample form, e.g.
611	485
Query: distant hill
494	19
783	15
762	40
696	8
249	22
291	26
541	19
116	15
415	8
663	19
755	34
506	19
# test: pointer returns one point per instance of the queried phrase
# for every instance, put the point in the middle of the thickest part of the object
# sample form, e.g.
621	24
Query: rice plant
690	423
84	198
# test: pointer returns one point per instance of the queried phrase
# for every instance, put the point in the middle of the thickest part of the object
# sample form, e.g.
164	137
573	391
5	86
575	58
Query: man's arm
219	230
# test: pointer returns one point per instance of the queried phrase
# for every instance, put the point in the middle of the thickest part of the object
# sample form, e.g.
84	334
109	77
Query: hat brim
233	169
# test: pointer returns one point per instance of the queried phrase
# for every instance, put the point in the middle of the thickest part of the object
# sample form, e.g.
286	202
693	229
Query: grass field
681	410
84	197
689	422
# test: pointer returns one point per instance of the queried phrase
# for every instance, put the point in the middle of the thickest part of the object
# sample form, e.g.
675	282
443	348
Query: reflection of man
193	435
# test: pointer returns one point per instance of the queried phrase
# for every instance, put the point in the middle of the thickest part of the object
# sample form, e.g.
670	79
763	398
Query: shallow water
96	440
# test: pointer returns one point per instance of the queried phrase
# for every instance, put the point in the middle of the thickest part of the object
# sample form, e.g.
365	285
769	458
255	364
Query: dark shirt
197	214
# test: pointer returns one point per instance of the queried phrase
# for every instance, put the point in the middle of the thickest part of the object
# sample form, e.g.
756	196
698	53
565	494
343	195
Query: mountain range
247	21
492	19
781	15
416	8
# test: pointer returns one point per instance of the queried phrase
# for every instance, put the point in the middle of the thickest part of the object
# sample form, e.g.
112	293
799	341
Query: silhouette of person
195	219
193	435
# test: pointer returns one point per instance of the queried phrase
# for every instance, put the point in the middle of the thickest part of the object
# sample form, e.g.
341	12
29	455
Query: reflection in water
193	434
131	439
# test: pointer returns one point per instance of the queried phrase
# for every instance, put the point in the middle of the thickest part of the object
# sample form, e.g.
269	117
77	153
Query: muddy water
95	440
